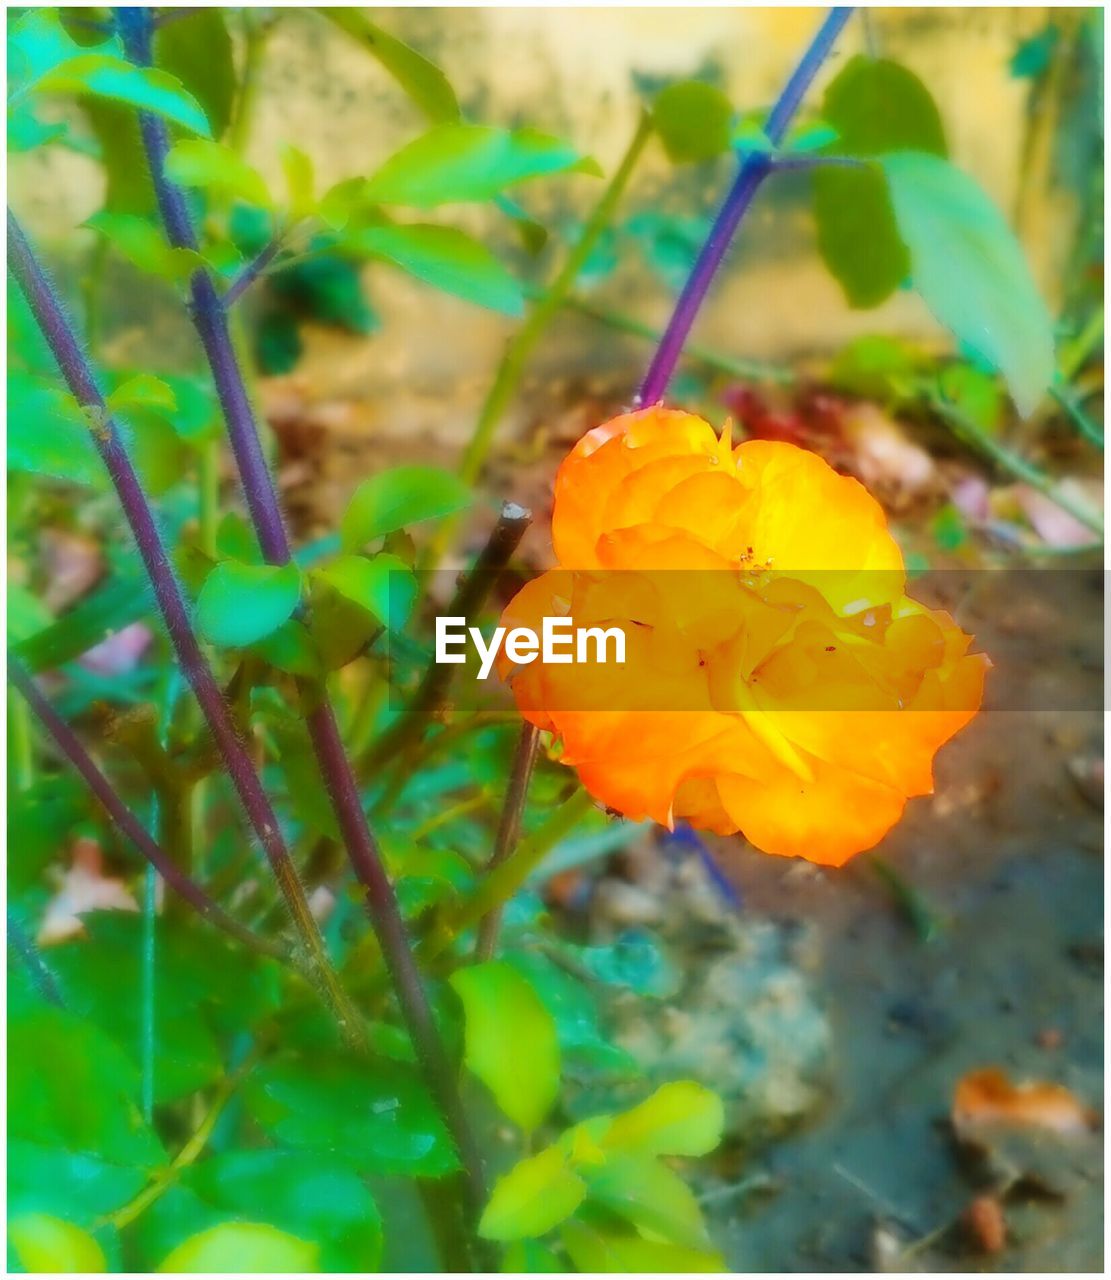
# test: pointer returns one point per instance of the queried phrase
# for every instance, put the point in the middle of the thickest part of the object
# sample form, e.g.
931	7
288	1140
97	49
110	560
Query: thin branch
509	830
466	603
105	435
70	746
250	274
970	434
21	942
210	318
544	308
788	163
752	173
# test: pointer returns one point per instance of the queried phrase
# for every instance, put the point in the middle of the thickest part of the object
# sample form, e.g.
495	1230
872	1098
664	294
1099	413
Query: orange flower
777	679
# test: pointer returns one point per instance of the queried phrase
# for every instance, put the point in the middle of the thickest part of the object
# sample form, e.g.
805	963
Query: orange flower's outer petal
602	459
825	819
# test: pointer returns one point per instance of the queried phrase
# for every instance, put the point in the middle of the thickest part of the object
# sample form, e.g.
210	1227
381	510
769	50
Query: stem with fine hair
752	173
210	318
105	435
70	746
509	830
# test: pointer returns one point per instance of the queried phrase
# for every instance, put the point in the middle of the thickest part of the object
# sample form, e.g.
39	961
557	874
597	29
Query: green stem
509	830
501	883
21	745
969	433
521	346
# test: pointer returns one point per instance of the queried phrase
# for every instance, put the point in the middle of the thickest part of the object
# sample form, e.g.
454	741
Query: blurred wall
572	71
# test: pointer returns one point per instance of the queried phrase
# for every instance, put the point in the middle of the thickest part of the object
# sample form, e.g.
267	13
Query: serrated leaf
196	162
681	1118
146	88
398	498
692	119
536	1195
447	258
876	106
972	273
465	162
422	80
384	586
45	1243
240	604
500	1008
242	1246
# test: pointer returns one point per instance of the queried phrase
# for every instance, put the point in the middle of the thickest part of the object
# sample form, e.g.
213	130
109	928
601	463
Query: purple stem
752	173
70	746
250	274
78	376
210	318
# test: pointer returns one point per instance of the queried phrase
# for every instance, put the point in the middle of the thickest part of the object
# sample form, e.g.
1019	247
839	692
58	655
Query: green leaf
241	603
306	793
243	1246
107	609
572	1005
384	586
693	121
501	1009
40	819
592	1250
422	80
300	181
106	76
446	258
213	166
970	270
143	244
975	393
876	367
45	1243
317	1198
460	162
531	1256
48	434
196	48
72	1087
45	1179
682	1118
375	1115
533	1197
876	106
650	1196
26	613
398	498
92	971
143	390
